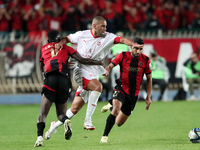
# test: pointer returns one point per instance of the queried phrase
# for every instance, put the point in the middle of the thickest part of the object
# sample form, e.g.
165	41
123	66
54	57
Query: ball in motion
194	135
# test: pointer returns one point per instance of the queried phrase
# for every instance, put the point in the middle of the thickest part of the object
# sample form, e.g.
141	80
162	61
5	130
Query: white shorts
82	78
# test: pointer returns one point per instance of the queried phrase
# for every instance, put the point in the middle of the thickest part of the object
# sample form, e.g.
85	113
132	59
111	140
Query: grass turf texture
164	127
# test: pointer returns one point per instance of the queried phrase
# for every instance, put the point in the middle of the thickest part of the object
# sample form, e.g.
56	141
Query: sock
40	128
109	124
64	118
92	104
56	125
70	114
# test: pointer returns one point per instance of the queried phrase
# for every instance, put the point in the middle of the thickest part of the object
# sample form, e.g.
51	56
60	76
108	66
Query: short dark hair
53	36
138	40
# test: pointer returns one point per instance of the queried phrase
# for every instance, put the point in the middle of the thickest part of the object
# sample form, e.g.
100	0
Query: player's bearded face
136	51
101	28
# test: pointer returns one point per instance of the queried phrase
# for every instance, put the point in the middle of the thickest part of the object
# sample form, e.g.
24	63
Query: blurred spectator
119	18
174	21
135	13
69	22
158	13
53	15
33	20
196	22
134	20
189	15
16	15
160	73
168	13
152	23
4	18
192	73
87	11
109	14
182	8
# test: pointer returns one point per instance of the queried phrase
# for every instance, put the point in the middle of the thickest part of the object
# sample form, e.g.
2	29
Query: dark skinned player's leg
44	110
61	111
61	114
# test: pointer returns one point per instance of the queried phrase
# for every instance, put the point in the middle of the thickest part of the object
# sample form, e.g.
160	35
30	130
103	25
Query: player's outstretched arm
129	42
86	61
149	88
64	41
108	68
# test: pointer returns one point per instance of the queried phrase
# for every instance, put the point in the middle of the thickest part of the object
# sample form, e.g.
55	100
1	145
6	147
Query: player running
56	83
133	65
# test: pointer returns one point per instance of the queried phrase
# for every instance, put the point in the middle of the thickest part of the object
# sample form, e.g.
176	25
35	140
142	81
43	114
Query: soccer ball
194	135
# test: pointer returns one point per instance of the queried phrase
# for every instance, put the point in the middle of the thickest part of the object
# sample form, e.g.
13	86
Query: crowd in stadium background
73	15
30	16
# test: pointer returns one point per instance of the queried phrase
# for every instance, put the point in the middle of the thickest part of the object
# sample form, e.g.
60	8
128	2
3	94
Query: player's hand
59	45
106	74
148	102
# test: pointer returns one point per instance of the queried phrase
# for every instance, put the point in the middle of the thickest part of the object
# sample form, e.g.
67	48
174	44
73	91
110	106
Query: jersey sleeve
75	37
148	67
117	59
117	40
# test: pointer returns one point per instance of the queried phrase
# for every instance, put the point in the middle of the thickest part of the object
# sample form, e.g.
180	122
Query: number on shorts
115	93
54	52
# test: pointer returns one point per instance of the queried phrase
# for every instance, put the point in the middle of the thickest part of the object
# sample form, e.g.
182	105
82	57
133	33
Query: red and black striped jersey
55	59
132	71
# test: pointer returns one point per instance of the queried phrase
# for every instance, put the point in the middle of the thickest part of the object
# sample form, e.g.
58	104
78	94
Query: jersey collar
93	34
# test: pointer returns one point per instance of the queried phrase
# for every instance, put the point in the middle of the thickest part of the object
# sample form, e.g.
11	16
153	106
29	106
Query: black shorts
56	87
128	100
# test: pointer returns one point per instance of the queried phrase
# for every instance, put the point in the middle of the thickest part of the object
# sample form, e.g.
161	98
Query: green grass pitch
164	127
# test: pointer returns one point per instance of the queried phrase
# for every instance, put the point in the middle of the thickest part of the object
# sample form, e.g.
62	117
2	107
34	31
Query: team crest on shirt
99	43
141	63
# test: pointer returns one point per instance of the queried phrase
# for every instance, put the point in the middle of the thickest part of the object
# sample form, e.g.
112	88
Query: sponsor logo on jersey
134	69
99	43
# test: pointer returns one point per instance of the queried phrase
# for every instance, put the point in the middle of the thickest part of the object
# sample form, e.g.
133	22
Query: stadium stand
32	37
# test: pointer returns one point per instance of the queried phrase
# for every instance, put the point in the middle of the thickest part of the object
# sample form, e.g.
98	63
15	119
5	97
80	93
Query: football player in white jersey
95	44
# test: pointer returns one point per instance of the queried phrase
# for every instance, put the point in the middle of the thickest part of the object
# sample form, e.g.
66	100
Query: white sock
70	114
56	125
92	104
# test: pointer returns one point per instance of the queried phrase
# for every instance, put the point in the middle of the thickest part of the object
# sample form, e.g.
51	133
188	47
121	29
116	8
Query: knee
119	124
74	110
115	111
98	88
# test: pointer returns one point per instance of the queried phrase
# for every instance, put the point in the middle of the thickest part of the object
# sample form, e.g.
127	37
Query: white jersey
89	46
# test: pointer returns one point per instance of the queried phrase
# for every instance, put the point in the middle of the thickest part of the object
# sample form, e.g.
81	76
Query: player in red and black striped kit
56	83
133	65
